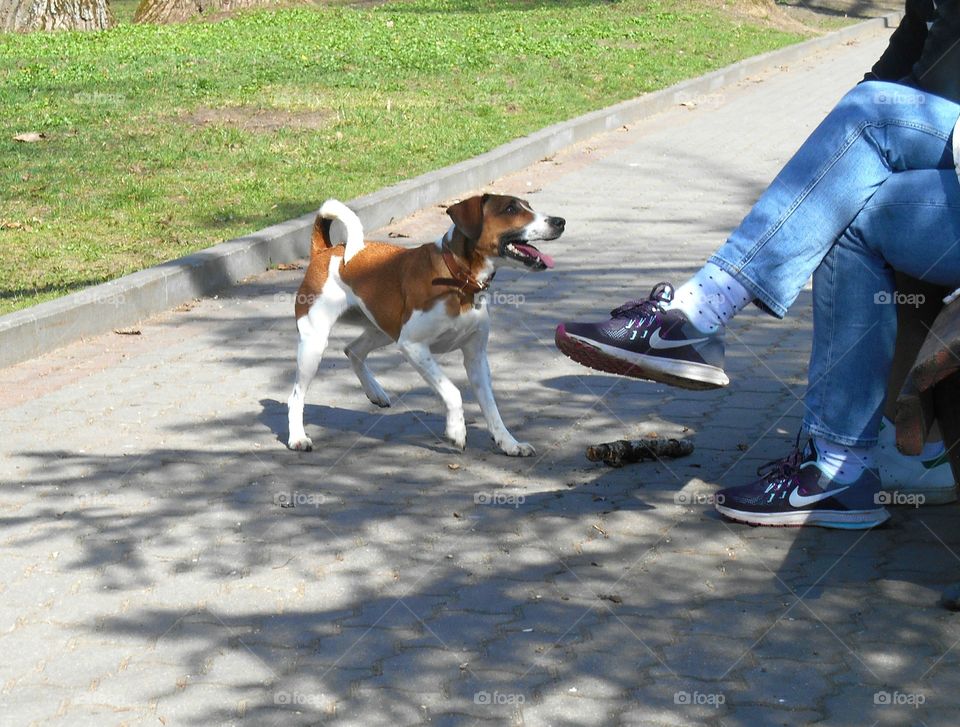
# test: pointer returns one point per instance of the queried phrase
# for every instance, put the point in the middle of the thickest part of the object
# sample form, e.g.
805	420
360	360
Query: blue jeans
873	189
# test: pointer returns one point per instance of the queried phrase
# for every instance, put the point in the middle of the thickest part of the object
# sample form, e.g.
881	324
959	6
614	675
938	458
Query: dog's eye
511	209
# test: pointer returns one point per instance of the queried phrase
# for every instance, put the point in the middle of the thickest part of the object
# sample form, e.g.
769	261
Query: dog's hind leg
314	331
357	350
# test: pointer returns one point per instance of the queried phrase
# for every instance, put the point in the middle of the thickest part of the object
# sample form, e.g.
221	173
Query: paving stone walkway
150	574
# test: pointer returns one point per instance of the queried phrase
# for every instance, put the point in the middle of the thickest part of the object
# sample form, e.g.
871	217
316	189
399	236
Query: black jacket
924	50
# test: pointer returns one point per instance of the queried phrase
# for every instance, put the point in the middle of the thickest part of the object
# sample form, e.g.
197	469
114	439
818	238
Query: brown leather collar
460	278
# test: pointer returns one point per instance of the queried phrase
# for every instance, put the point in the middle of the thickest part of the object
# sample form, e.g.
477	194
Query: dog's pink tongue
535	253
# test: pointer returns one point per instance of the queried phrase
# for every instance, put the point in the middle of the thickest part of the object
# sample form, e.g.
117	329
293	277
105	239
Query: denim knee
871	101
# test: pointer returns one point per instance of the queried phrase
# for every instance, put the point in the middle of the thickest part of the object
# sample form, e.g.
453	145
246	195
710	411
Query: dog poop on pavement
625	451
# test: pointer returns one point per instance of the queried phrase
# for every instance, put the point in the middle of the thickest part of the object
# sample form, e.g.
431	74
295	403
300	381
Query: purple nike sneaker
794	491
644	340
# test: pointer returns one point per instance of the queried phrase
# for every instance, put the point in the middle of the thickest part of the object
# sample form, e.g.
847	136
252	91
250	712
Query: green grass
358	98
123	10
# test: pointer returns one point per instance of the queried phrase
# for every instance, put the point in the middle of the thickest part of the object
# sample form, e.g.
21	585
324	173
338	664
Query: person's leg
913	224
779	244
858	146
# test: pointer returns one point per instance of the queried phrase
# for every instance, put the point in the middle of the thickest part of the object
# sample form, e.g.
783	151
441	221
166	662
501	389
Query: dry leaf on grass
30	137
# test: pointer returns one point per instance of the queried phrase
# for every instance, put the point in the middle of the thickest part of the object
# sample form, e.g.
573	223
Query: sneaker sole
837	519
611	360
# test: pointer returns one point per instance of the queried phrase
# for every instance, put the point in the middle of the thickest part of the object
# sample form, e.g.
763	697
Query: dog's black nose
557	222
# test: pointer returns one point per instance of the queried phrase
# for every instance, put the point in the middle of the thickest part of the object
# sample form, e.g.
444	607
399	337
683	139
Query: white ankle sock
841	463
710	298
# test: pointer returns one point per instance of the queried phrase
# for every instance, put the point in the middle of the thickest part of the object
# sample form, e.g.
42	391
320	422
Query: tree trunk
177	11
26	15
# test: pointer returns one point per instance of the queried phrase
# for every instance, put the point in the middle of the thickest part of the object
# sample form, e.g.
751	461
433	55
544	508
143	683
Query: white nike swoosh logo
798	500
657	342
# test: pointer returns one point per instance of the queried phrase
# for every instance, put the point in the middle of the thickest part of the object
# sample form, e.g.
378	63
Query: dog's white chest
443	332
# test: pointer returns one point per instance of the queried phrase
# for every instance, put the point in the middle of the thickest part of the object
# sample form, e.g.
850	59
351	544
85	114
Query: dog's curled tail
334	210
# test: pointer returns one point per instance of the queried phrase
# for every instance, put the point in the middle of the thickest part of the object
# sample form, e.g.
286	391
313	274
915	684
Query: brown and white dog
425	299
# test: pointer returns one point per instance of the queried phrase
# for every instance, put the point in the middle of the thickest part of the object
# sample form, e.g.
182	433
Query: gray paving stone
148	573
745	716
784	682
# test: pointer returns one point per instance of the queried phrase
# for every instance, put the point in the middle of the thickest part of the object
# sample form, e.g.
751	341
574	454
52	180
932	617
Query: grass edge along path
160	141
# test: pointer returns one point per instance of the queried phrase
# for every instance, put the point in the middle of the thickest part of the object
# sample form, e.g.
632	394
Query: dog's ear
468	216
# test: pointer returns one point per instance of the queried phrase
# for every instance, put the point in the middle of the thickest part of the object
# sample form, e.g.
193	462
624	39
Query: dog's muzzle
516	246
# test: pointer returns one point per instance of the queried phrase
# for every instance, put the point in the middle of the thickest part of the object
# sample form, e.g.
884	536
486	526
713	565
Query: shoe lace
662	293
781	469
636	309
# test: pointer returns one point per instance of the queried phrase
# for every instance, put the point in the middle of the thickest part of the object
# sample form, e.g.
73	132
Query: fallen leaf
289	266
127	331
453	466
30	137
396	234
610	597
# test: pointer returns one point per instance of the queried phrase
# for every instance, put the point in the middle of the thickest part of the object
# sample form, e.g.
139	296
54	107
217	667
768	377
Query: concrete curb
127	300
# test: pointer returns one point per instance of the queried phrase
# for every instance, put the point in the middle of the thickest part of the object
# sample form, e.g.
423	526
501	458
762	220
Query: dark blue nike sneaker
644	340
793	491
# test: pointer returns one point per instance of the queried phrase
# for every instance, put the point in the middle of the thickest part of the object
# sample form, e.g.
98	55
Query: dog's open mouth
527	254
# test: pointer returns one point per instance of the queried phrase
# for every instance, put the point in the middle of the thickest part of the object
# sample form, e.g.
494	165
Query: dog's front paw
300	444
518	449
457	434
382	401
377	395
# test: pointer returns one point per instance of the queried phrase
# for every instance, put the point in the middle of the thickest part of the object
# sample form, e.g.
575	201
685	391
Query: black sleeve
938	68
906	43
